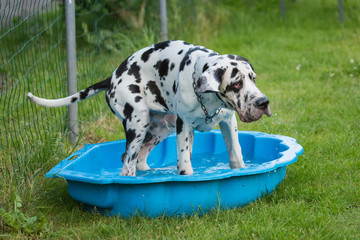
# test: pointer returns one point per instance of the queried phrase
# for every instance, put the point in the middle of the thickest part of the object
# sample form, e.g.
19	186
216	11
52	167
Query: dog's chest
201	125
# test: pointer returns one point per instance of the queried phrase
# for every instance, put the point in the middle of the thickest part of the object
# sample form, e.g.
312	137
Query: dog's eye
237	85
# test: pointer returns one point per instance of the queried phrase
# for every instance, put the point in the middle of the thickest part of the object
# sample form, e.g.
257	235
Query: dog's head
232	78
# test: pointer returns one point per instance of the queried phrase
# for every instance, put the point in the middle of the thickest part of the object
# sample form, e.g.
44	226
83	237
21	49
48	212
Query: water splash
266	127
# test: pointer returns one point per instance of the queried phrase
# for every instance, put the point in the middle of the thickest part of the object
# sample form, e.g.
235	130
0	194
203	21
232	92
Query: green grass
309	66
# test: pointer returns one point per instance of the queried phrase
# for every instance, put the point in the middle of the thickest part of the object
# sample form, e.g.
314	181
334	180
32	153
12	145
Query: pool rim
287	157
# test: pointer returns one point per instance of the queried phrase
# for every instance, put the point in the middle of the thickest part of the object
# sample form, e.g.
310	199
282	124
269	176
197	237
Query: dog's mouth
256	114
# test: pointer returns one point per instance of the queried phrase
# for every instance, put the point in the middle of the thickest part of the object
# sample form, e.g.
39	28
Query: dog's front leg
185	137
230	134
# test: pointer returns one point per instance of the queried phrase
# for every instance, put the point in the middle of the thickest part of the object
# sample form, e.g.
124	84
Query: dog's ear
210	80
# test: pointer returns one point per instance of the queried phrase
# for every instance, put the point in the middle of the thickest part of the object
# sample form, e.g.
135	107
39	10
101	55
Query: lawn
308	65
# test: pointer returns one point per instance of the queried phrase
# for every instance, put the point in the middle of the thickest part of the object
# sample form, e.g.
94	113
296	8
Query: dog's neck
215	99
212	101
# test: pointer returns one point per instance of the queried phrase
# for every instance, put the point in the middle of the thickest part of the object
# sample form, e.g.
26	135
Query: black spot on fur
112	94
174	87
234	63
162	67
200	81
130	136
251	66
128	110
135	71
96	87
186	60
134	156
218	74
183	62
156	92
122	68
179	125
172	66
180	52
146	55
161	45
108	103
134	88
74	99
234	72
206	66
138	98
111	87
182	172
148	137
83	94
238	58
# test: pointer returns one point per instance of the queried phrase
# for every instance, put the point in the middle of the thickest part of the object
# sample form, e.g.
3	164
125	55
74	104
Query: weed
14	220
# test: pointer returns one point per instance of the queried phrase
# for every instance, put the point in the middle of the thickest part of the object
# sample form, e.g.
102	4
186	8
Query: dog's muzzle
263	104
260	107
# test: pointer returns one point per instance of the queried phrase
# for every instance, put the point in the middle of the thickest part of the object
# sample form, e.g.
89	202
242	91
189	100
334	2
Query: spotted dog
176	86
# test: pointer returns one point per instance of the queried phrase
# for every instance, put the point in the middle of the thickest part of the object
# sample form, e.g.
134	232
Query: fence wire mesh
33	59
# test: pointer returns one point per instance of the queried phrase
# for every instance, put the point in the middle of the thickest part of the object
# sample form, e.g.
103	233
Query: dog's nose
262	103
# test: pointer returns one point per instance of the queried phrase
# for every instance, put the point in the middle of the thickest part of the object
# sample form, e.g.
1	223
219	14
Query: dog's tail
79	96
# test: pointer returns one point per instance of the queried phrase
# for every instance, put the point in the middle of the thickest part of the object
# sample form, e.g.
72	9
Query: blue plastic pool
92	174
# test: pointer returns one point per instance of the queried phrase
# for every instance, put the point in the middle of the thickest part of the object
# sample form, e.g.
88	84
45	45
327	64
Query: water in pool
203	164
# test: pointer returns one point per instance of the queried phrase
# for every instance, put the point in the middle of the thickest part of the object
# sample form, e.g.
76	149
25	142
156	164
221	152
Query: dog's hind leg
161	127
135	127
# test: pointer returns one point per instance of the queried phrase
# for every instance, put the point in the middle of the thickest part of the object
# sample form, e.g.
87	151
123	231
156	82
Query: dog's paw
237	164
142	166
185	171
125	172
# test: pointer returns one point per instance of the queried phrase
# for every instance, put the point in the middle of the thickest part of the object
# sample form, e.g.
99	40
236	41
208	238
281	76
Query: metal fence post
163	23
71	68
341	10
283	8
